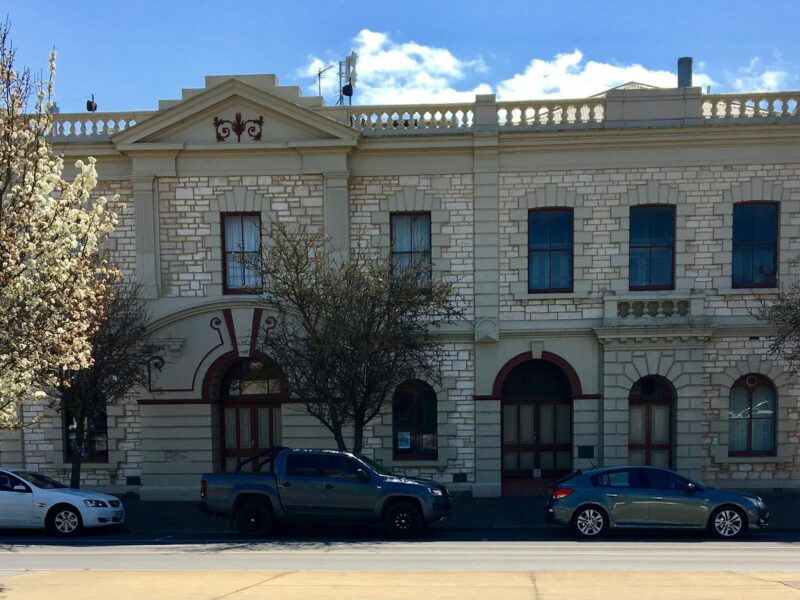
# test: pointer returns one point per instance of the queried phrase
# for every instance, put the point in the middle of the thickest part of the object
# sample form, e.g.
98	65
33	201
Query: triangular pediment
235	113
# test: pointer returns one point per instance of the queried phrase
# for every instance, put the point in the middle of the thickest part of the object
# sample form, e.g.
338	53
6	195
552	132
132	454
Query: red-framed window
93	446
752	417
414	421
550	250
652	248
411	243
755	245
241	242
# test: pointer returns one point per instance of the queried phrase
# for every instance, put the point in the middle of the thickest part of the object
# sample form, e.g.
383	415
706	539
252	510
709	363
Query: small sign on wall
403	440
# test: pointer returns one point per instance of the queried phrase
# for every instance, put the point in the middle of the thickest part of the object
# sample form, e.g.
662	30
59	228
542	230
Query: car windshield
39	480
375	466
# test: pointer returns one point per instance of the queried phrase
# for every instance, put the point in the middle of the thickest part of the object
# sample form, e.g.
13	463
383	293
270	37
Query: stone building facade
598	369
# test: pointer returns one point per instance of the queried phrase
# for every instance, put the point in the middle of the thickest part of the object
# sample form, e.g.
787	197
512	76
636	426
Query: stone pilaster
147	250
337	212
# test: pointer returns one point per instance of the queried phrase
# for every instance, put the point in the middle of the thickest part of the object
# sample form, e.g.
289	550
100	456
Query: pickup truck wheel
253	519
403	520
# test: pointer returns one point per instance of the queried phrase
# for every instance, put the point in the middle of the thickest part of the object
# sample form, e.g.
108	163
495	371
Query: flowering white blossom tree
52	279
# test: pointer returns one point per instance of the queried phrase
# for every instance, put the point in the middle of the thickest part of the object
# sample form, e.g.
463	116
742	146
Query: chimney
685	72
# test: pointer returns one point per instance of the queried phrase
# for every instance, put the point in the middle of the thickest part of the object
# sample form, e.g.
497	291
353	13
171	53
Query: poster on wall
403	440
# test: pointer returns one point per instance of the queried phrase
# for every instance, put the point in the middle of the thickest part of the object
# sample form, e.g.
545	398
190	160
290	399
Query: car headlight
435	491
95	503
758	502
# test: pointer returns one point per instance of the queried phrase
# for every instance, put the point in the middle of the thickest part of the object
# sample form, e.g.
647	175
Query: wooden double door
537	438
247	428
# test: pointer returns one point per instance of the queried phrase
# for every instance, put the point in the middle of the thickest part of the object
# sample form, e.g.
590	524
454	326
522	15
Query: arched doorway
650	414
250	394
536	399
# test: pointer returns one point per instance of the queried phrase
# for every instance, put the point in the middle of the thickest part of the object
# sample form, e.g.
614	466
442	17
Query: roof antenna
319	75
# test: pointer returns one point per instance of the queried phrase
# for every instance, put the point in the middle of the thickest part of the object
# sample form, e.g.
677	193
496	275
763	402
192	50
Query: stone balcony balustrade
750	106
653	309
86	127
618	109
580	113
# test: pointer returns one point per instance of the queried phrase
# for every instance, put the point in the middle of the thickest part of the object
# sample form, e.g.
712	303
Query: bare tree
784	314
349	330
121	352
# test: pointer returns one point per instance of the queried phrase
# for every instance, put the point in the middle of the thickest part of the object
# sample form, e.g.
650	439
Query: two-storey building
614	252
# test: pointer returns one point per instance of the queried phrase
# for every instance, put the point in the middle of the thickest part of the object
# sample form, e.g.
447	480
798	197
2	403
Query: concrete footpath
515	513
320	585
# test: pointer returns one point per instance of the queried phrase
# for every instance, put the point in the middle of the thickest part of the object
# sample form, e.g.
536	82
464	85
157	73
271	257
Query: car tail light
562	492
203	488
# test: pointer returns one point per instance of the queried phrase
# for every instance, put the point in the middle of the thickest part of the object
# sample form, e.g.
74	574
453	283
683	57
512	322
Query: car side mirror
691	488
20	488
362	475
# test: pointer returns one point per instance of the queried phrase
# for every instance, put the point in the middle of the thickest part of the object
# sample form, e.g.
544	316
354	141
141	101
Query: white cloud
569	76
757	78
392	73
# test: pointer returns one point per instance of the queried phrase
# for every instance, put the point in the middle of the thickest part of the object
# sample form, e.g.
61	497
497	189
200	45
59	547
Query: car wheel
253	519
589	522
403	520
728	522
64	520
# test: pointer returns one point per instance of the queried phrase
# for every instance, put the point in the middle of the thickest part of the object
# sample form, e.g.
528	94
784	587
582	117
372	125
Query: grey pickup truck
322	486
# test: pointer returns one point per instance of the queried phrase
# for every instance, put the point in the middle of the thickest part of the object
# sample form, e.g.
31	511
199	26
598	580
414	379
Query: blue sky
131	54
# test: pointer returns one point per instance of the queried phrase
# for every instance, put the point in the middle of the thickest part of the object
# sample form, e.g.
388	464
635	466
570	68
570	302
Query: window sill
550	295
437	462
745	291
725	459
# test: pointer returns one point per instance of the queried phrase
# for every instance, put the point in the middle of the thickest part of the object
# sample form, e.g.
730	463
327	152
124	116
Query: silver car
646	497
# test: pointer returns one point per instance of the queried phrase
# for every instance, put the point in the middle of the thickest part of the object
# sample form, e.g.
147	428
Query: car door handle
286	484
328	486
612	495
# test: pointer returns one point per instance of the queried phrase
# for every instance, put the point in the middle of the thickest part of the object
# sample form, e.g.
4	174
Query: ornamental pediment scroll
238	126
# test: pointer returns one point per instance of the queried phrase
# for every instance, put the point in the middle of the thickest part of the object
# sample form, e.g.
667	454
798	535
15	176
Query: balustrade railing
421	119
84	126
550	114
412	119
639	309
752	105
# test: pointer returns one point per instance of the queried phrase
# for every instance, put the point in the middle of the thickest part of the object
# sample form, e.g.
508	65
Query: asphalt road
306	552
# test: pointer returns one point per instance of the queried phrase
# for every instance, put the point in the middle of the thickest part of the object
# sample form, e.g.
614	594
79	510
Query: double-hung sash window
652	248
755	245
751	415
411	243
242	234
550	250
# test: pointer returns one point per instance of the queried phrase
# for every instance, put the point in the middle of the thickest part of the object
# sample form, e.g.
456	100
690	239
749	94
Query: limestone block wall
456	423
726	359
122	241
190	225
601	200
40	447
680	361
449	199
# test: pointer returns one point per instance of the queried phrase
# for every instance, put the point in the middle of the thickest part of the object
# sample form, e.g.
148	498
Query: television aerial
347	77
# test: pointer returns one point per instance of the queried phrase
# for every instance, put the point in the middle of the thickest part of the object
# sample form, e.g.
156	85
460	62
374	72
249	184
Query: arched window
751	414
414	417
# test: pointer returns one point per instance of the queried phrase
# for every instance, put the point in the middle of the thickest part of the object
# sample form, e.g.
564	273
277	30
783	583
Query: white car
32	501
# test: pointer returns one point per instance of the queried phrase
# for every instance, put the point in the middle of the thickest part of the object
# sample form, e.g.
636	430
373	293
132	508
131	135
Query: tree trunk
75	477
358	438
337	435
